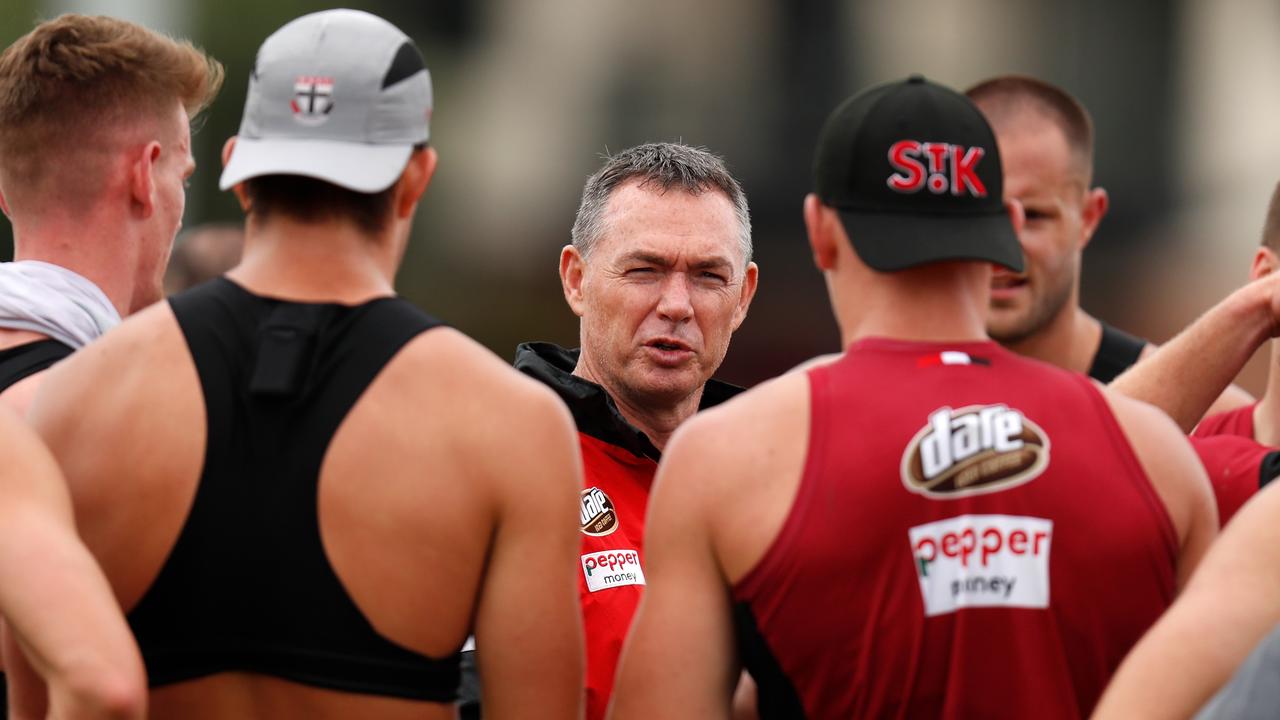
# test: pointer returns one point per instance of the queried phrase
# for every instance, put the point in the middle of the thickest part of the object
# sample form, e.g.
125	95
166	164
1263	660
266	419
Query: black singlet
1117	352
247	586
22	361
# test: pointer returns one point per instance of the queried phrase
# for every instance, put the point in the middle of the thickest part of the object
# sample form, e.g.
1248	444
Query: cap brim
360	167
896	241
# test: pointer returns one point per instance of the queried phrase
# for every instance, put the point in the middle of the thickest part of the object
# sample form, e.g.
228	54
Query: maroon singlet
972	537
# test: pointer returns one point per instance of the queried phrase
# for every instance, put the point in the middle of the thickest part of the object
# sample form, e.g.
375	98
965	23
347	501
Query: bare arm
679	660
528	625
61	613
1232	602
1186	375
1177	475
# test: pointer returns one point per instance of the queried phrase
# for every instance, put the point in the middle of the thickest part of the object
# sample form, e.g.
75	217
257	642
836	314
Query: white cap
340	95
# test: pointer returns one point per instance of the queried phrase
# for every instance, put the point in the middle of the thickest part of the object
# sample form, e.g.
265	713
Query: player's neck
944	302
657	419
96	249
316	262
1266	417
1070	340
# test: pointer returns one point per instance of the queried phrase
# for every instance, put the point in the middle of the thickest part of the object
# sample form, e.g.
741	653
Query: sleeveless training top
22	361
972	537
1117	351
247	586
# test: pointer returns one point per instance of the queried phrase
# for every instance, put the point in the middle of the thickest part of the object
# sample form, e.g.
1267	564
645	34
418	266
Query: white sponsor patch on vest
982	561
612	568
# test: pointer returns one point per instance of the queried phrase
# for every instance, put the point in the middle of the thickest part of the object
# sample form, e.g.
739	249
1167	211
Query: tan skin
717	507
64	626
659	297
490	535
1232	603
117	230
1037	313
1266	416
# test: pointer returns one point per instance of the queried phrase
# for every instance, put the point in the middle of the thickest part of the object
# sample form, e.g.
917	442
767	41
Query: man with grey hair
660	274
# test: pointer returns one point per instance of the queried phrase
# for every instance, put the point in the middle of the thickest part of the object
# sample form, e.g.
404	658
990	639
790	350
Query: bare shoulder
468	367
1170	463
124	370
738	467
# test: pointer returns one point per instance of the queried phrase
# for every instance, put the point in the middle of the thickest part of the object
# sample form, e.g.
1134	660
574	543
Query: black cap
914	171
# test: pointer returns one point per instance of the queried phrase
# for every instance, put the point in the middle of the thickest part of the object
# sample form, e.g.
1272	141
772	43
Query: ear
572	271
238	189
142	185
749	281
1265	262
1017	215
414	181
817	221
1095	207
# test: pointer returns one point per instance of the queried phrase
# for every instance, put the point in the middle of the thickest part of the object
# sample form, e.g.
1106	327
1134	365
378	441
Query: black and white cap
340	95
914	171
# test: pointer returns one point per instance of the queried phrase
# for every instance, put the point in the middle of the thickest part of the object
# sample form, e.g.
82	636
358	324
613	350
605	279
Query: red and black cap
913	169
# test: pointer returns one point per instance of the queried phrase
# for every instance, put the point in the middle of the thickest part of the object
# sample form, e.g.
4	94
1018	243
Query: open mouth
1007	282
668	345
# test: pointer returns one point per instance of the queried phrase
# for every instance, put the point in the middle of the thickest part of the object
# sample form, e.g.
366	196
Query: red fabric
839	596
1234	466
607	612
1237	422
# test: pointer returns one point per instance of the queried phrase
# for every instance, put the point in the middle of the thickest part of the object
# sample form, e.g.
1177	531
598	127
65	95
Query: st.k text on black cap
913	169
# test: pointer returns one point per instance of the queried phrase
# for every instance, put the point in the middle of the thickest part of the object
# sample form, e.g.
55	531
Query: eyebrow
714	261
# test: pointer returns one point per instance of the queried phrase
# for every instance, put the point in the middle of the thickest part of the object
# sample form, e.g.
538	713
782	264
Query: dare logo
940	167
597	513
973	450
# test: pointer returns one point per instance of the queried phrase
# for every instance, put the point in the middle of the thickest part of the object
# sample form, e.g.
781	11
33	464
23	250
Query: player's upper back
972	536
282	463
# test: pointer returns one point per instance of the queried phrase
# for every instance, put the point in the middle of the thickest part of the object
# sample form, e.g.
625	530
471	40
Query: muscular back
442	466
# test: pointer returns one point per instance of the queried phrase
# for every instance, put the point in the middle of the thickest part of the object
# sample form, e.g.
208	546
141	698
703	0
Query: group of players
289	493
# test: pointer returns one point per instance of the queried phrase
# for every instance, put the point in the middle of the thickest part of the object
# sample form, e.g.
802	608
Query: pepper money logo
973	450
597	513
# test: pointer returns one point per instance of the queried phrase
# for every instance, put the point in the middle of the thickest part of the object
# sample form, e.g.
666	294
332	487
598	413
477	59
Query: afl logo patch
598	515
974	450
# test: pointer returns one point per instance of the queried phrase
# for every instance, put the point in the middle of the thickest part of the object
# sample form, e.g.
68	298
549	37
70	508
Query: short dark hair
660	167
1271	229
1004	96
310	200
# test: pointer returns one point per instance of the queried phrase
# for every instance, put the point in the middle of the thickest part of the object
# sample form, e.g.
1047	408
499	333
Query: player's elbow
100	690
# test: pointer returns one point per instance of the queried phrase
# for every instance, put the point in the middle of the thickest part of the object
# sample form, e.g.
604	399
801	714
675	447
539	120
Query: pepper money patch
982	561
612	568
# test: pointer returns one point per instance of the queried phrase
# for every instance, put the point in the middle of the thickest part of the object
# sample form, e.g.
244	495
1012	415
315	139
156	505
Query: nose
675	304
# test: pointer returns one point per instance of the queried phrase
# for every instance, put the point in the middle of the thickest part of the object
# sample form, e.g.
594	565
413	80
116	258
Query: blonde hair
77	74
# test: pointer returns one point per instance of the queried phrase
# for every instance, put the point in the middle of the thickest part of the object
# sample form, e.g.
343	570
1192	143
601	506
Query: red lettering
933	549
964	176
937	153
949	543
968	543
903	157
1036	547
991	543
1017	542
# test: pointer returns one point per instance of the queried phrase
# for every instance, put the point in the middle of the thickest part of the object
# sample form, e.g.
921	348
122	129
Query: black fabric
247	586
407	63
776	695
23	361
594	412
1269	468
1117	352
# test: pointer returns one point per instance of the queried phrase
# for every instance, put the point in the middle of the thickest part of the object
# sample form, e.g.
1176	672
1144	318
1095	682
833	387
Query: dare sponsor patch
597	514
973	450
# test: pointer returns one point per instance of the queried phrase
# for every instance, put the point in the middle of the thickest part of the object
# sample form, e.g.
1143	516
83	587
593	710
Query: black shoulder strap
23	361
1117	352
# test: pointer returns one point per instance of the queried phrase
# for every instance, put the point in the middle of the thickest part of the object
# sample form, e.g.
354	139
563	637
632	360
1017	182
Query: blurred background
530	93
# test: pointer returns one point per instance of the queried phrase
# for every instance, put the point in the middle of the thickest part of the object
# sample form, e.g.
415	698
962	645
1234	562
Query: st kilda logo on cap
940	167
312	99
974	450
597	513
